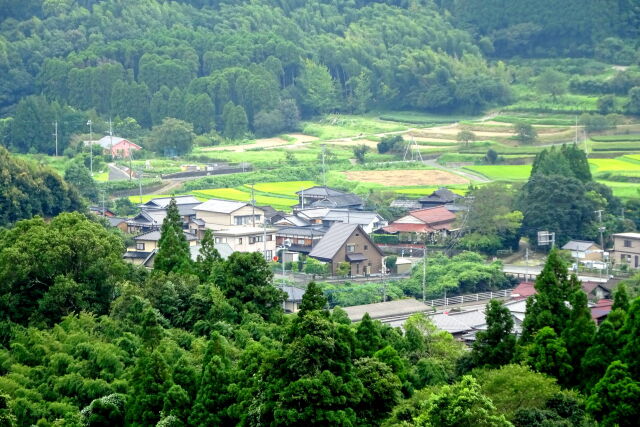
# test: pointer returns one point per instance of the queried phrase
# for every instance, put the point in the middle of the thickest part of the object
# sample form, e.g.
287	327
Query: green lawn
609	165
624	190
503	172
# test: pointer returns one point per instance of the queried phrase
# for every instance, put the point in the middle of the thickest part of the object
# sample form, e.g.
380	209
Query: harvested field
402	178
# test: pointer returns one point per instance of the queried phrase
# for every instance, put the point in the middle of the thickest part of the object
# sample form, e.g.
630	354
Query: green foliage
359	151
513	388
460	274
578	335
27	190
495	346
525	133
234	119
633	106
208	257
389	143
80	177
552	82
150	381
615	397
461	404
466	137
172	137
173	249
50	270
548	307
548	354
313	299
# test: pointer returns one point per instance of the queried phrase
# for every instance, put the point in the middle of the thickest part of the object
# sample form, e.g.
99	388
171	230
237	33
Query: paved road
535	270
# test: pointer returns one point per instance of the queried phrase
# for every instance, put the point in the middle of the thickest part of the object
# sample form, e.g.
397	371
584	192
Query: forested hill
211	62
150	59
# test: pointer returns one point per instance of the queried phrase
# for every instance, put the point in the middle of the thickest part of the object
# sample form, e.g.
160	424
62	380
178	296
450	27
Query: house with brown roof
349	243
433	224
442	196
325	197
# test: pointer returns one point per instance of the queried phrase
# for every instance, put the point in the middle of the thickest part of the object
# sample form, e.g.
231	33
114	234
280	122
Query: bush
386	239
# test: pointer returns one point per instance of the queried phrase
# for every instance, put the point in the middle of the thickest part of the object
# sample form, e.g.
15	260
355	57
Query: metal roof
319	190
221	206
223	249
578	245
163	202
333	240
300	232
351	217
628	235
108	141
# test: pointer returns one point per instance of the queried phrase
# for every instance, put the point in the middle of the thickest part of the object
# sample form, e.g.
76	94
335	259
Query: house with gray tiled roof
351	244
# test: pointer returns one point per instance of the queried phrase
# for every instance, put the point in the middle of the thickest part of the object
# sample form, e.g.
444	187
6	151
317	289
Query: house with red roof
433	223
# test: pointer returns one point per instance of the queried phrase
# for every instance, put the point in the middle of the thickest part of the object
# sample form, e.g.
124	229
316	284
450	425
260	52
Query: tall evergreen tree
615	398
208	257
173	254
548	355
548	307
495	346
604	350
313	299
149	382
621	298
578	334
369	338
630	337
213	399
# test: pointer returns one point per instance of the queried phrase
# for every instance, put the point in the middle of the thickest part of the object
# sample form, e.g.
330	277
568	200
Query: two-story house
228	213
302	239
325	197
626	249
349	243
247	239
145	247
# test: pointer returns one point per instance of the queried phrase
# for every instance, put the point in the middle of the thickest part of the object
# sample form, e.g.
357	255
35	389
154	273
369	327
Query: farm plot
283	188
401	178
503	172
245	196
614	165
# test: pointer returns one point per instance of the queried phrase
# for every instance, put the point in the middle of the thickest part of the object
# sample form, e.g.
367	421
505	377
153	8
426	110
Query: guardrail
464	299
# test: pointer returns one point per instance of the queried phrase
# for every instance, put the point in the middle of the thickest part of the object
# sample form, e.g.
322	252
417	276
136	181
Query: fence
464	299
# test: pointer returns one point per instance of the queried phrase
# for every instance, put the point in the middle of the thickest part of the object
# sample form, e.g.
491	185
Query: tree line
88	340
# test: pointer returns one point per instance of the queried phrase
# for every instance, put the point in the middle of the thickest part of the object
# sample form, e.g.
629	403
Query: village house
432	224
626	249
348	243
153	212
325	197
220	212
326	217
117	147
247	239
442	196
583	250
303	239
145	247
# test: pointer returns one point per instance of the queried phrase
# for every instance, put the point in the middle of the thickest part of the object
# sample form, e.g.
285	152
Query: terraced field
503	172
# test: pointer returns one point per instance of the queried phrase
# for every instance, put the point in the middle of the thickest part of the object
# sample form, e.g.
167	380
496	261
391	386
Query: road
535	270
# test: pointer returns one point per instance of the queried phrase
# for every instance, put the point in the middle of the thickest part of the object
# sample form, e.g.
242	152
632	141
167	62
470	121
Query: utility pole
601	229
90	124
526	257
253	207
140	184
111	138
424	272
103	210
55	124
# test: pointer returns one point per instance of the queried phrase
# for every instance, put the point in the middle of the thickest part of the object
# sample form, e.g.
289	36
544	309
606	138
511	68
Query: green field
245	196
344	126
503	172
284	188
608	165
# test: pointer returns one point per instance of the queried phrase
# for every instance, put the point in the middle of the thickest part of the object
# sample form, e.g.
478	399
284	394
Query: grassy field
503	172
610	165
284	188
624	190
337	126
245	196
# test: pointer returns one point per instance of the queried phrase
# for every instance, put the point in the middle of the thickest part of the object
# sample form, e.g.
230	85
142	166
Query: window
221	240
255	239
239	240
351	248
366	247
140	246
246	219
268	255
300	241
627	243
269	237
